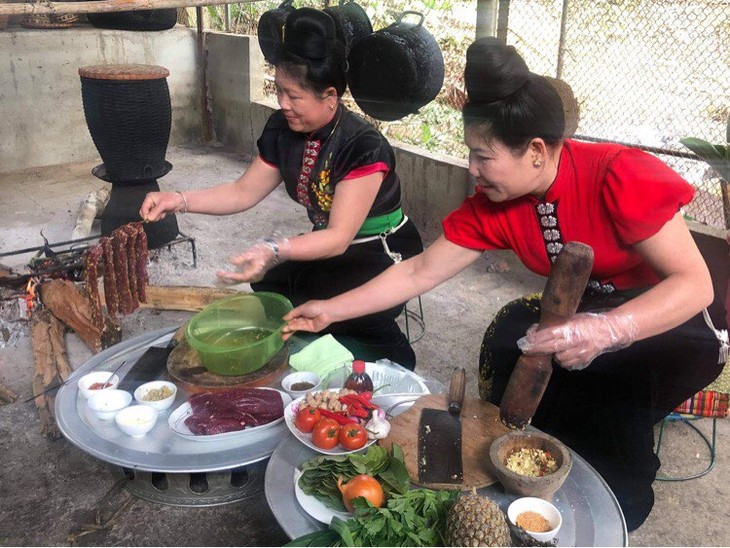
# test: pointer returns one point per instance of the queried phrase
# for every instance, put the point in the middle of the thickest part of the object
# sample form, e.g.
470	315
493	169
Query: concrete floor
52	493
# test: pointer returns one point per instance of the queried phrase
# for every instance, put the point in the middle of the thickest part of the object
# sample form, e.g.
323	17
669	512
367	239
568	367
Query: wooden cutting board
480	426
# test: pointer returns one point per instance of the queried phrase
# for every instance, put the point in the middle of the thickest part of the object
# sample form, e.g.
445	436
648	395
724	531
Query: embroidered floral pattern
311	151
322	188
547	213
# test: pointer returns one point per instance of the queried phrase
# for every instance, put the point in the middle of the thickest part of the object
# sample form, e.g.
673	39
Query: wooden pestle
563	290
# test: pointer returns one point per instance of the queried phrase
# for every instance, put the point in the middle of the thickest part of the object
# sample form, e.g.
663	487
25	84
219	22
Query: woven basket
49	21
129	122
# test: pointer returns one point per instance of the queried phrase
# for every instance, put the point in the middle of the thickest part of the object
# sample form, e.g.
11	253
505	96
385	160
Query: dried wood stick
7	395
45	372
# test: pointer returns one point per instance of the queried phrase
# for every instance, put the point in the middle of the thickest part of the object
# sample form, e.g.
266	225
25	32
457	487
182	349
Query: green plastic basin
240	334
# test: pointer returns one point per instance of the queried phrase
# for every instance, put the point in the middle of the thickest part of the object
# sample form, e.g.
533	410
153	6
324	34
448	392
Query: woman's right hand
157	205
311	316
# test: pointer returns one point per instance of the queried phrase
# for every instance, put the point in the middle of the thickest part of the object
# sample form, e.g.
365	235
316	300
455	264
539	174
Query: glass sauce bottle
359	380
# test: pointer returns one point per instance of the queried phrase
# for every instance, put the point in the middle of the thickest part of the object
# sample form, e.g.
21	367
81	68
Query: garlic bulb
378	426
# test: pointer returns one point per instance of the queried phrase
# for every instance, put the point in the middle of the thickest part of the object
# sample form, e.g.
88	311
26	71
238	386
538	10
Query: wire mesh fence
645	72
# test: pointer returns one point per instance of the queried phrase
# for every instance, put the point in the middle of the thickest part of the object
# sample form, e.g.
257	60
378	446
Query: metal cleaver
148	367
439	438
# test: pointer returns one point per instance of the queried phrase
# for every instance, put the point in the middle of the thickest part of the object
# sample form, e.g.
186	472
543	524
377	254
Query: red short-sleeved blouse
607	196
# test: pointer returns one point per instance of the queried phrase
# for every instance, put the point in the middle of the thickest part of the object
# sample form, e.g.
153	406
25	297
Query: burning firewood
51	367
71	305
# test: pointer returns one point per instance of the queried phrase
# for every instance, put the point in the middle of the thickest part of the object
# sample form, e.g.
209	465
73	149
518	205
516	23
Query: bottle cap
358	367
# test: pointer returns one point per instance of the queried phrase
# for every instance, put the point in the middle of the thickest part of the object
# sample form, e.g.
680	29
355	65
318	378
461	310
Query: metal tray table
161	450
591	513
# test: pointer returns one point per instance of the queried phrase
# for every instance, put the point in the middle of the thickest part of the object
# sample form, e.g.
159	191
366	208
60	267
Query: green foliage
415	518
717	156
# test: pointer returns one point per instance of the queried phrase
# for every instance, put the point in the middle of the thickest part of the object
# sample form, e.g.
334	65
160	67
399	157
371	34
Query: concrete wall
235	75
433	184
41	113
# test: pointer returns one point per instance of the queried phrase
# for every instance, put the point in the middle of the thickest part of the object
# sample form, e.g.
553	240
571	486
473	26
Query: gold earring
332	107
537	162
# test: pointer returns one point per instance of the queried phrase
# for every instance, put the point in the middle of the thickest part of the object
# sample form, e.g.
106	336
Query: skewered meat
131	263
142	260
111	296
231	410
121	269
91	276
124	255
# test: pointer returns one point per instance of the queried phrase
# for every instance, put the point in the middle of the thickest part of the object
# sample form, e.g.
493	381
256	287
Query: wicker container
127	109
49	21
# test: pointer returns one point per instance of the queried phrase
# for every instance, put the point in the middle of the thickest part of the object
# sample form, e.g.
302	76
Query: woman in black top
341	169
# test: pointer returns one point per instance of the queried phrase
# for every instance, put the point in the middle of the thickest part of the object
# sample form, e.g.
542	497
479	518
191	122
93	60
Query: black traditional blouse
312	164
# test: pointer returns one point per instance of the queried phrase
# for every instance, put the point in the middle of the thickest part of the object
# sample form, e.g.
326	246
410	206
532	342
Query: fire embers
124	258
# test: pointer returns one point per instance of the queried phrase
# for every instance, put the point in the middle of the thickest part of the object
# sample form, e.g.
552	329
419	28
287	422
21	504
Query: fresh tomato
325	433
353	436
307	417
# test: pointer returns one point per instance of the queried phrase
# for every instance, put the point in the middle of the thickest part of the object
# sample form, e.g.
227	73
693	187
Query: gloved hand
310	316
256	261
577	342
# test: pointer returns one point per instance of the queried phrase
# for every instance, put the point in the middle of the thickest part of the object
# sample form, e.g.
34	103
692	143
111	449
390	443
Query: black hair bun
493	71
310	33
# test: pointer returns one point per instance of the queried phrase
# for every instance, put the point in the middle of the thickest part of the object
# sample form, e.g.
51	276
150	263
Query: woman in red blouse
341	170
638	346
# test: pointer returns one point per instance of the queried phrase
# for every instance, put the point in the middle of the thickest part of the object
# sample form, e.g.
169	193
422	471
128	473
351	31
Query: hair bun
493	71
309	33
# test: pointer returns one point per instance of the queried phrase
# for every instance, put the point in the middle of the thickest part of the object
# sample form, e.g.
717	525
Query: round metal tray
591	513
161	450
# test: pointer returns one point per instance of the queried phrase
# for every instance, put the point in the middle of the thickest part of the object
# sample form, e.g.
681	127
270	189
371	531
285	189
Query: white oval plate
313	506
176	422
290	416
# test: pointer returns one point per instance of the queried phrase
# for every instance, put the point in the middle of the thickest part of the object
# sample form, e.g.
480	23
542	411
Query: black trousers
370	337
606	412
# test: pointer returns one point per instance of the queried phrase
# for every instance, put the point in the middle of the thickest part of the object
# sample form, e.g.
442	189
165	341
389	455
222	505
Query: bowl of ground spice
530	464
537	517
157	394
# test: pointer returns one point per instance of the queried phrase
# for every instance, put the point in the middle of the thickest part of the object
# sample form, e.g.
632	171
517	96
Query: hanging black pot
351	21
148	20
271	24
396	70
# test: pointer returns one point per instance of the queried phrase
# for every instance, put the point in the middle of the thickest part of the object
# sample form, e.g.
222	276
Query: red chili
342	419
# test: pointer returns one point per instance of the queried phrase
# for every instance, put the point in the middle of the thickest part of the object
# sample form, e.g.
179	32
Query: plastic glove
256	261
310	316
577	342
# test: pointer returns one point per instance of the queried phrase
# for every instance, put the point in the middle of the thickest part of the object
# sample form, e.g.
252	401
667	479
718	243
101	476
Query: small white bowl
539	506
301	377
136	420
141	393
97	377
108	402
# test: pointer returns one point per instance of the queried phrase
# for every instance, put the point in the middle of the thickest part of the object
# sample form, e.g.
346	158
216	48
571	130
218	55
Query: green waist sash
381	223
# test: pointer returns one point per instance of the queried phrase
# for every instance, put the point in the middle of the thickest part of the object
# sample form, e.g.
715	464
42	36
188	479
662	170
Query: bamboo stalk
106	6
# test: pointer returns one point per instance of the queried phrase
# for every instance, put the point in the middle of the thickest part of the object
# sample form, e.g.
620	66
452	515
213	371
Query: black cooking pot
396	70
351	21
270	27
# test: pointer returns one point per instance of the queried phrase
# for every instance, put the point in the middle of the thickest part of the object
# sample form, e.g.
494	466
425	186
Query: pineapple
476	521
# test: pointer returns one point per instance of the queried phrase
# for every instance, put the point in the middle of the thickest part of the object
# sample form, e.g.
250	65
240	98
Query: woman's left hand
254	262
577	342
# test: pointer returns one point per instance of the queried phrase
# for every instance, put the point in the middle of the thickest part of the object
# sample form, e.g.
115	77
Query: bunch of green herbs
414	518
